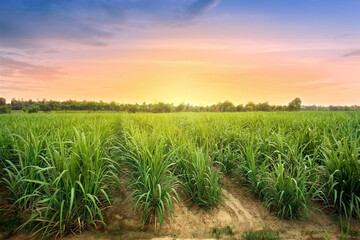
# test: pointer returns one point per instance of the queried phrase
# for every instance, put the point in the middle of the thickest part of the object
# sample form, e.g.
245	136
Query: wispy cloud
3	82
13	68
319	82
25	24
5	89
7	86
7	53
200	6
352	54
51	51
341	36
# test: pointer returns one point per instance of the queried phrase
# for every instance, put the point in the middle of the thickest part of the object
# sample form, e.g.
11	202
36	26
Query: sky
192	51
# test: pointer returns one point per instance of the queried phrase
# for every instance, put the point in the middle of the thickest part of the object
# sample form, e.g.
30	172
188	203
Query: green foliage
32	109
228	157
75	181
45	108
261	235
295	105
228	231
2	101
200	180
151	176
342	172
161	107
251	170
5	109
62	175
62	167
289	189
216	232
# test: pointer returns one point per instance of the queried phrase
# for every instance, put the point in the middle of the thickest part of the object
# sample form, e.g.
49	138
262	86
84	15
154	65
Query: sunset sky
192	51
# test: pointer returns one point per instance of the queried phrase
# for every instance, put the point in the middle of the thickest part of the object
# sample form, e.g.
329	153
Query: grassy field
63	170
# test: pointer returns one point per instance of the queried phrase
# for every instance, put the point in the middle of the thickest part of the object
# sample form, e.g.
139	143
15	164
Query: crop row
64	167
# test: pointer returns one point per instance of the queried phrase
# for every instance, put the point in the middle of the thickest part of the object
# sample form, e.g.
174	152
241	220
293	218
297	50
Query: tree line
160	107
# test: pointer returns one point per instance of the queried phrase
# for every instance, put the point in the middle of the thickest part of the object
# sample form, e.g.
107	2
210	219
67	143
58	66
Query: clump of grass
62	176
74	184
216	232
288	191
342	171
21	177
261	235
227	156
151	176
6	148
200	181
251	171
228	231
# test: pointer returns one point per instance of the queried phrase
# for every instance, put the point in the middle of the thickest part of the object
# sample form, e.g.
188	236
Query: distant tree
55	106
45	107
143	107
280	108
180	108
13	102
131	109
263	107
310	108
17	104
33	109
295	105
240	108
250	106
226	106
161	107
2	101
5	109
214	108
112	106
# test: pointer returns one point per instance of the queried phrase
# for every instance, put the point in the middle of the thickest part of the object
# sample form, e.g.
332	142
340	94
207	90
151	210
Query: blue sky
25	22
